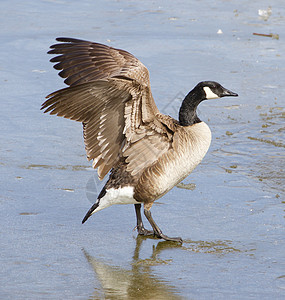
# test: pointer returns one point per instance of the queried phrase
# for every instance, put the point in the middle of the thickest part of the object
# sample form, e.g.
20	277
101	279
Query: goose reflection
137	283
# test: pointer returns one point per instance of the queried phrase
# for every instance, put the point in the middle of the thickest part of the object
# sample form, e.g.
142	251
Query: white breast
193	145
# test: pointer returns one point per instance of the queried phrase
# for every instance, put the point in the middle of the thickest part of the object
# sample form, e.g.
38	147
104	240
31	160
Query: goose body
190	145
146	152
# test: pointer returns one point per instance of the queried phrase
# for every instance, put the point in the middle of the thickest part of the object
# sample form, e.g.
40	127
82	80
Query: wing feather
104	60
110	94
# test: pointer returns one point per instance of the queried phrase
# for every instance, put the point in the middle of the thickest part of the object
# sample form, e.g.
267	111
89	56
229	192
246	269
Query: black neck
187	113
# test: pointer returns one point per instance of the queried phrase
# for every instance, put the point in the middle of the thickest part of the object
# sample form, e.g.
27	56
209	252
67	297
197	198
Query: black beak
227	93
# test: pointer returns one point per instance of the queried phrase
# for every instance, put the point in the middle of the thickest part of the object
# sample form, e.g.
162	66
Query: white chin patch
209	93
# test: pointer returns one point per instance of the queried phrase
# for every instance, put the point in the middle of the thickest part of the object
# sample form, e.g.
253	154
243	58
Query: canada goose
147	152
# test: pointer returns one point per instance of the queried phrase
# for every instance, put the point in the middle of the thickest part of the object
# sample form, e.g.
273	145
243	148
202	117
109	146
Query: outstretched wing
83	61
115	105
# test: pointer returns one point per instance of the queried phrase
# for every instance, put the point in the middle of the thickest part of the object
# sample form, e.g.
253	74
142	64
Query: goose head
213	90
204	90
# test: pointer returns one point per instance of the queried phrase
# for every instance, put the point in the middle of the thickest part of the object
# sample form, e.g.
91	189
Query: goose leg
157	232
140	228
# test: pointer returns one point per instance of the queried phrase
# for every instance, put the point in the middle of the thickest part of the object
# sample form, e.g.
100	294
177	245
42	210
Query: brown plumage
123	130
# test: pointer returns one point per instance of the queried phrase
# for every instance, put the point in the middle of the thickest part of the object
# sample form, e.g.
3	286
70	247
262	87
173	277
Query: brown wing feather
110	94
147	138
100	107
84	61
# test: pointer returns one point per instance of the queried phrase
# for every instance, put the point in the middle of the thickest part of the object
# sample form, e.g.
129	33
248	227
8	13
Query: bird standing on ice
147	152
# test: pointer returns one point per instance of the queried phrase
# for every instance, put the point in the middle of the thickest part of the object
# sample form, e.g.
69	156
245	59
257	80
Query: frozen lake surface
232	222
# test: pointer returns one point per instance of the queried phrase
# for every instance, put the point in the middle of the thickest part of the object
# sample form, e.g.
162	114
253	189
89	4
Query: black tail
95	205
90	211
